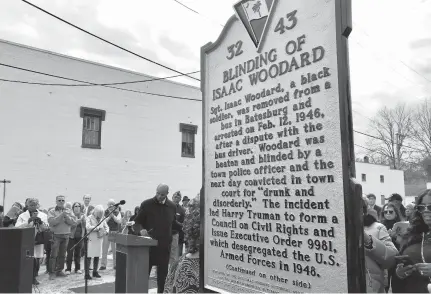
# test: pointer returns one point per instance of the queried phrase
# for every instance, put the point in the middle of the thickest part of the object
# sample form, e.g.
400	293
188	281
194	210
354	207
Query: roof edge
92	62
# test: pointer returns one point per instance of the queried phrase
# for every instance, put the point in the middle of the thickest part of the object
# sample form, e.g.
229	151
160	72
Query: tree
256	7
391	129
421	131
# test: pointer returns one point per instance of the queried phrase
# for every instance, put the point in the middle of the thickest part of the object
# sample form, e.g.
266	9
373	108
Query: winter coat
96	237
380	257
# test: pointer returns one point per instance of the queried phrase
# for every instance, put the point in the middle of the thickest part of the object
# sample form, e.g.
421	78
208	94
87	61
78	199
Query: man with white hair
114	222
86	207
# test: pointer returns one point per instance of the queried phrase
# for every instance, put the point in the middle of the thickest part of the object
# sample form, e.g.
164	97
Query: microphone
122	202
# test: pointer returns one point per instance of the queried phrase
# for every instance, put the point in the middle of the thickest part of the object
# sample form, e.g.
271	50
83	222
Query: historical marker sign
276	150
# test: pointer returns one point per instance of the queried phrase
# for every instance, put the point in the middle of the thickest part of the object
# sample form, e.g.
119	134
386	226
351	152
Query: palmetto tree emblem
254	14
256	7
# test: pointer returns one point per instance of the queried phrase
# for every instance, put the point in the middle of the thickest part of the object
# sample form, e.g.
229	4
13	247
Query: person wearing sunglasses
413	274
60	222
390	216
379	250
77	231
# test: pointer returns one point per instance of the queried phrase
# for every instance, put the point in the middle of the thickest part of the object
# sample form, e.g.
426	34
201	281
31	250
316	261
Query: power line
94	84
374	137
371	150
194	11
407	136
187	7
401	61
106	41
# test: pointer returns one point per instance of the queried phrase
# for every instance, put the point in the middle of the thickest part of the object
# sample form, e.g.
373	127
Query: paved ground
63	285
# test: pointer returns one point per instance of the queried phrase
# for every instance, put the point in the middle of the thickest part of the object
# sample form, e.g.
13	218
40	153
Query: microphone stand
85	239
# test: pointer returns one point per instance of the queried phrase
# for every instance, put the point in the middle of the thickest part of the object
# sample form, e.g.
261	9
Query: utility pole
400	137
4	182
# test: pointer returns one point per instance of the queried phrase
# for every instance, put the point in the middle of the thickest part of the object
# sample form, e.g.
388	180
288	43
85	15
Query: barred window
188	140
92	127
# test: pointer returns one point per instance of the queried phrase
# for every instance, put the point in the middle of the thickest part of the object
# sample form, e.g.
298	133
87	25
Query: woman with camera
33	218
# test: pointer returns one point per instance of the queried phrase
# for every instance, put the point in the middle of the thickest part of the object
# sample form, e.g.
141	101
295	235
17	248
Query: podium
16	260
132	262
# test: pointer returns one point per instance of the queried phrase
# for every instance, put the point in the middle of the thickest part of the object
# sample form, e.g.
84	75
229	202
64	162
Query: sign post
280	211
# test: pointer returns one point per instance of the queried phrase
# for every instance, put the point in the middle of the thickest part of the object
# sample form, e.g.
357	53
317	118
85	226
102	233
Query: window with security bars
188	140
92	127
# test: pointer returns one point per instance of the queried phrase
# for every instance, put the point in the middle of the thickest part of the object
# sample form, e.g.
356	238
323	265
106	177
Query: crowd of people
59	230
397	244
397	239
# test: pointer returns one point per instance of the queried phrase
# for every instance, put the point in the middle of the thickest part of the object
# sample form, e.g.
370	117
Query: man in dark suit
157	216
372	204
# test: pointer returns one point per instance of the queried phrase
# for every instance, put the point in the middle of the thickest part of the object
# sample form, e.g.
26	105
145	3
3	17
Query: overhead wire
106	41
194	11
374	137
123	89
407	136
376	151
91	85
187	7
80	81
401	61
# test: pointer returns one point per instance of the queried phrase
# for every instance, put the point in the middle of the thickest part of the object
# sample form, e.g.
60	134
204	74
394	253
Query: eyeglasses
60	200
423	207
388	212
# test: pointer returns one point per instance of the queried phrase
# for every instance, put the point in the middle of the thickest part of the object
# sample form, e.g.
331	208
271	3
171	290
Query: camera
37	221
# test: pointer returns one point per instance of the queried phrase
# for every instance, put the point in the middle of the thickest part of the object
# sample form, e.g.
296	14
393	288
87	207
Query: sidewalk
63	285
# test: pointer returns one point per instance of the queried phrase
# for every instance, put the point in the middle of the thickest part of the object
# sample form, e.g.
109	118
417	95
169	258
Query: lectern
16	259
132	262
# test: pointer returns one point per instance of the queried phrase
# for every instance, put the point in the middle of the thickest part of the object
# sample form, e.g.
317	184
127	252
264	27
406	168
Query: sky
390	46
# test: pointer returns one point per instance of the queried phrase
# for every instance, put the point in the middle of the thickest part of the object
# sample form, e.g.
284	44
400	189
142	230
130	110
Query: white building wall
393	180
41	132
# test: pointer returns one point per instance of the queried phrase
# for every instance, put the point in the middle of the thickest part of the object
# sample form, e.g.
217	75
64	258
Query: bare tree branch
392	128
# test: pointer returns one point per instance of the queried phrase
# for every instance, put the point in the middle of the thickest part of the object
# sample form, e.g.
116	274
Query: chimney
366	159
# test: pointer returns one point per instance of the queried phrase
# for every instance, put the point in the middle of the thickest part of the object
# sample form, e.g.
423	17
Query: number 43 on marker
291	21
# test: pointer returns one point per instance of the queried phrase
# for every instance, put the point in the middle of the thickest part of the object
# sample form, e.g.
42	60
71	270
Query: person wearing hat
371	198
397	200
185	201
380	251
